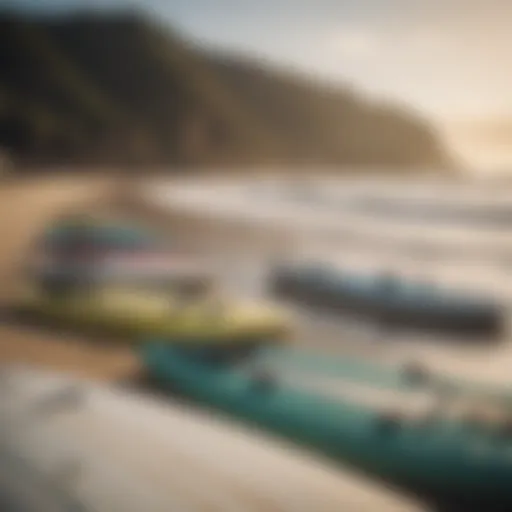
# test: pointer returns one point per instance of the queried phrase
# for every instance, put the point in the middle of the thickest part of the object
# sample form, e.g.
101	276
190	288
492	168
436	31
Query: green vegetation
120	88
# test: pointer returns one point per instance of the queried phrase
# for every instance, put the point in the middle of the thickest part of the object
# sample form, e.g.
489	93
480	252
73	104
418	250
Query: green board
442	458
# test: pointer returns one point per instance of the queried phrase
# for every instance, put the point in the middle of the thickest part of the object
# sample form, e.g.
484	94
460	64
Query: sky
447	58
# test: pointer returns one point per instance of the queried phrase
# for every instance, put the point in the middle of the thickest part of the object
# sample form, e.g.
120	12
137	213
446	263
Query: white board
118	451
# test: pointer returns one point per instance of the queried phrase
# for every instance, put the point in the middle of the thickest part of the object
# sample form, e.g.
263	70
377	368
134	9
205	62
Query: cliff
120	88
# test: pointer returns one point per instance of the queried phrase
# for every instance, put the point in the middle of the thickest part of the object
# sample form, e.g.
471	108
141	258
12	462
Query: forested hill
121	88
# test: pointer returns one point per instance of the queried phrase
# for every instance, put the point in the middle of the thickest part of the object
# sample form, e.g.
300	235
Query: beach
134	450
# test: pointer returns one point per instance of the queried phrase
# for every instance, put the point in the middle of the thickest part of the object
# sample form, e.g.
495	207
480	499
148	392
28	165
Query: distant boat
389	299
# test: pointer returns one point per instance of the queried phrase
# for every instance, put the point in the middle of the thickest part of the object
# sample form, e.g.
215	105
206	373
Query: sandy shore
25	207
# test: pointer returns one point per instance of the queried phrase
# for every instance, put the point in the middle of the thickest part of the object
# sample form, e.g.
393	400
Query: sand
25	207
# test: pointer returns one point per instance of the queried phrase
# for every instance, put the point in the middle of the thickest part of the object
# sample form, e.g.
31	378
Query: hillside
120	88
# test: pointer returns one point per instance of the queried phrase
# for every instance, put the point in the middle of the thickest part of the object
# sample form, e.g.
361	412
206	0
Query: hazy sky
450	58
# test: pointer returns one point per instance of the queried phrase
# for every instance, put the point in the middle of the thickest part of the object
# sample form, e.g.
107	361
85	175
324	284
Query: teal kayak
442	458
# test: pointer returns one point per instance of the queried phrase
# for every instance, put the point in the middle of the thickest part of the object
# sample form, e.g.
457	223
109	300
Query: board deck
135	453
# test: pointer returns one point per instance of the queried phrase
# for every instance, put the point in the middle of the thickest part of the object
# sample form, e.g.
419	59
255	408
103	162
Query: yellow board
140	313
